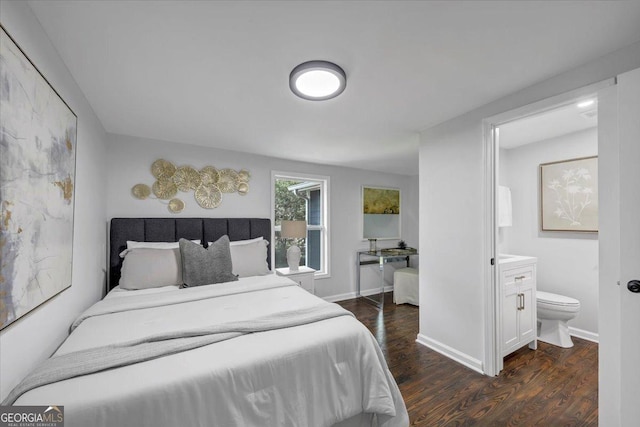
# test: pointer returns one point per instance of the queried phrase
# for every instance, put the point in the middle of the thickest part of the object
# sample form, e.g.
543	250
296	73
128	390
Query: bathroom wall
567	261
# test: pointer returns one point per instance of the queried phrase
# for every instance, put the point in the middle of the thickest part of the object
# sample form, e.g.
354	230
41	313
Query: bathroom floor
551	386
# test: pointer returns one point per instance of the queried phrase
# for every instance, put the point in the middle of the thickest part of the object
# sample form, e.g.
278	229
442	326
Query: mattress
326	373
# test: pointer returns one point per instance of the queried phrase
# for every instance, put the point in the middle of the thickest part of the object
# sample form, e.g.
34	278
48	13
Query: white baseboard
367	292
340	297
585	335
451	353
352	295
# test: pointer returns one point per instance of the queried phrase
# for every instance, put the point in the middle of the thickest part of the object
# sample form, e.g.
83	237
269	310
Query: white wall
452	209
134	156
567	262
35	336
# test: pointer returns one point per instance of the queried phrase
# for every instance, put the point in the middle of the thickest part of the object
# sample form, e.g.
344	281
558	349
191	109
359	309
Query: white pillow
151	245
249	257
246	242
145	268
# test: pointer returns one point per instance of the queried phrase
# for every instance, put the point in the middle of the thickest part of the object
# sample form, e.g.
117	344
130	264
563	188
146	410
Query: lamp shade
293	229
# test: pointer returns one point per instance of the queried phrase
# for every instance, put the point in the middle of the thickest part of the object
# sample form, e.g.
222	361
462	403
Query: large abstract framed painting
37	181
381	213
569	195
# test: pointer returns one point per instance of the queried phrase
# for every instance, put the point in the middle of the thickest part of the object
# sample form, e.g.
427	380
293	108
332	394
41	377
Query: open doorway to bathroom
542	225
547	211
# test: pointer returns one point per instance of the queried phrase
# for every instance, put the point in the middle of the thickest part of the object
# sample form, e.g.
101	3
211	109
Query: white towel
505	217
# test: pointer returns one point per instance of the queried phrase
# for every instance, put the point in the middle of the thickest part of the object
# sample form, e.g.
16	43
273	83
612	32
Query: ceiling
550	124
216	73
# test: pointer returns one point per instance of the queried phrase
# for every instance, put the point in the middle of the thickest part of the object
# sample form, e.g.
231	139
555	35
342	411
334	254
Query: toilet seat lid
555	299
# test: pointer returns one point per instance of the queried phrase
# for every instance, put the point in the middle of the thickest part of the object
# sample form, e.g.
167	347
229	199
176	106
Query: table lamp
293	230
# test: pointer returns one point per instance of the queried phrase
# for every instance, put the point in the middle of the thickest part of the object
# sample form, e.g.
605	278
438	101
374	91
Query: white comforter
312	375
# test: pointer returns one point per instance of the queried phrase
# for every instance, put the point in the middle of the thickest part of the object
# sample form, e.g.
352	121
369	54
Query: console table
380	257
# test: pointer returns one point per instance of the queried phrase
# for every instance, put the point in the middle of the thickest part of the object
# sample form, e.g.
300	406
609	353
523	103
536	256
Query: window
302	197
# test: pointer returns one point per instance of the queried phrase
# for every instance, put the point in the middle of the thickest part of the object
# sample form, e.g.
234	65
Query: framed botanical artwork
381	213
37	182
569	195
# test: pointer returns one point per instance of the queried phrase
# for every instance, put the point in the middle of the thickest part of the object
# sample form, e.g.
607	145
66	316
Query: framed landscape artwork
381	213
569	195
37	181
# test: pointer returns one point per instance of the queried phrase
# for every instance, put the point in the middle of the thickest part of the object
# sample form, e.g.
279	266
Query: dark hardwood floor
549	387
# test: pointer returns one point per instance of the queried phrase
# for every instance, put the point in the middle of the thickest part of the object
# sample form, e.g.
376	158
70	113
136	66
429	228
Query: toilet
554	311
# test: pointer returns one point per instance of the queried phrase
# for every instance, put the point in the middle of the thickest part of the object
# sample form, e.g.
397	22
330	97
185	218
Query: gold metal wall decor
244	175
176	205
187	178
209	175
228	181
208	184
164	188
243	188
208	196
162	169
141	191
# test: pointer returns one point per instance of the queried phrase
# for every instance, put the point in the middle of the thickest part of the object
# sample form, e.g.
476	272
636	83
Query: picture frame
381	213
569	195
37	182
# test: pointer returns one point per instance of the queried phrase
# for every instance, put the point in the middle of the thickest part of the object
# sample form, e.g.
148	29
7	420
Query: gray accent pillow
151	268
202	266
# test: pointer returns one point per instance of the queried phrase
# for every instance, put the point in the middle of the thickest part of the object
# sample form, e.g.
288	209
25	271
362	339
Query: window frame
325	271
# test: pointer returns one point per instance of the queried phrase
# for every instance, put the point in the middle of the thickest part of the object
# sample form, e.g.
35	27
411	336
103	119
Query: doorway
560	129
619	229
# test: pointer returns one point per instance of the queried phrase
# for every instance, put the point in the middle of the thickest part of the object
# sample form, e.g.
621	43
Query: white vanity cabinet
518	295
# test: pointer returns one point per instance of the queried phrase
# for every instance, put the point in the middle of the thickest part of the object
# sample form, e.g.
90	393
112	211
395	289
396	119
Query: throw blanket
70	365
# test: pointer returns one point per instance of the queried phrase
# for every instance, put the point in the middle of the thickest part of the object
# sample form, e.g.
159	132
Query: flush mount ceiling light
317	80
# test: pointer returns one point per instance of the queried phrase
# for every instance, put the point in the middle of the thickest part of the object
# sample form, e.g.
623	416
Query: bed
259	351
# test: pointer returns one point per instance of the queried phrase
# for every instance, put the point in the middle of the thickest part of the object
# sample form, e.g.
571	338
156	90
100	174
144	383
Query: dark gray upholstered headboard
173	229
